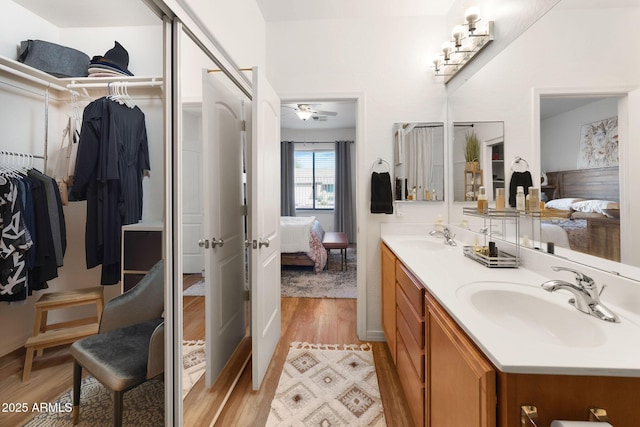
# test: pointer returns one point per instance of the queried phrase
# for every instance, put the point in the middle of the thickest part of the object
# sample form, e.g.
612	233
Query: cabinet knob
216	242
263	242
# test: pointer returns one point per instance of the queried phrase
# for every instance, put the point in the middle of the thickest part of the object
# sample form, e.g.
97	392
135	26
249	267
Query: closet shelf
67	84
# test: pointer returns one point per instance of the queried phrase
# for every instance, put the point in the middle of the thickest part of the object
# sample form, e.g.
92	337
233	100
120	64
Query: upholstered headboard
597	183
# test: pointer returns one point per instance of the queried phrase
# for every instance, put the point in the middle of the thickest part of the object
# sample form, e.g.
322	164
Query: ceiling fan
306	111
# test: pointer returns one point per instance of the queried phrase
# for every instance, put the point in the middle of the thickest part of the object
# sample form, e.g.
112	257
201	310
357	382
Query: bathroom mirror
419	161
522	90
478	159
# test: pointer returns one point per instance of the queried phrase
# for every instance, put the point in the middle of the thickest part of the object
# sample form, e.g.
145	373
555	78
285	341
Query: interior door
192	206
264	196
223	222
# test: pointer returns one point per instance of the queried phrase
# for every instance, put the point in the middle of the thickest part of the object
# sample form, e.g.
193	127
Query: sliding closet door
223	222
264	196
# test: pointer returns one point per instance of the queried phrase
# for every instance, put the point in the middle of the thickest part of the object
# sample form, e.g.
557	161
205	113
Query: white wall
387	61
568	50
560	134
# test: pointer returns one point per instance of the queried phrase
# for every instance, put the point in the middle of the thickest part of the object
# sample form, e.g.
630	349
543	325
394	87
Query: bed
584	206
301	242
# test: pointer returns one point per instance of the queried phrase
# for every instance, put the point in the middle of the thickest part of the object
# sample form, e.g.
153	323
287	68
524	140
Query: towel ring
380	161
517	161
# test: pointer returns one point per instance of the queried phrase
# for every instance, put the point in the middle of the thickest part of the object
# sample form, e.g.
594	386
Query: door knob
263	242
216	242
203	243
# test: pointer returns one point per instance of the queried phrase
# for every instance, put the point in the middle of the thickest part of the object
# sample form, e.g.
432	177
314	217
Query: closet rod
32	78
150	83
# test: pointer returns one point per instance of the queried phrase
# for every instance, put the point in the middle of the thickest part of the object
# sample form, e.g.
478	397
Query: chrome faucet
446	234
587	297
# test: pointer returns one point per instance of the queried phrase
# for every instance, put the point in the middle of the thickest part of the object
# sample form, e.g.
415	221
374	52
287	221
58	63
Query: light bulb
471	16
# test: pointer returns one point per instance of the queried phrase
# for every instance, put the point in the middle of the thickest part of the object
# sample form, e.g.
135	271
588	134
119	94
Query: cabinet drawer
412	386
415	322
411	287
415	350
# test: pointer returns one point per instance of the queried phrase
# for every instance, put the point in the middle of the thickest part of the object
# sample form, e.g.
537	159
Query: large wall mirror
579	162
419	161
559	109
478	159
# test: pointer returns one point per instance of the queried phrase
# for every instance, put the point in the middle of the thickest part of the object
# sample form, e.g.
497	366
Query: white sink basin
425	243
533	314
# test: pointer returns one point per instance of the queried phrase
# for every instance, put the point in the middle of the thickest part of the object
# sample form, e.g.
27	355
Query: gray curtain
343	214
287	181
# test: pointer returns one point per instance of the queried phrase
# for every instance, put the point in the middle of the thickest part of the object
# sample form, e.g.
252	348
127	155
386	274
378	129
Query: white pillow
597	206
562	204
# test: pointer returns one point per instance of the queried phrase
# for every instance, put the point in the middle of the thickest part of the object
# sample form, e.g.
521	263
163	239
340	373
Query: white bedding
556	234
294	233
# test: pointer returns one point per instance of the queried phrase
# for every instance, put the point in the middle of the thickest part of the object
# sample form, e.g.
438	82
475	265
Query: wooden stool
45	336
336	240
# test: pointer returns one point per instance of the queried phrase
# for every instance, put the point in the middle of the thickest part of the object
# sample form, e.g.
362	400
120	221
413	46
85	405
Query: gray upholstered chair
129	347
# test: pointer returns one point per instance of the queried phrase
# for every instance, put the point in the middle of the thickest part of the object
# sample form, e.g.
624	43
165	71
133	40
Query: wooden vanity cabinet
388	297
410	340
461	382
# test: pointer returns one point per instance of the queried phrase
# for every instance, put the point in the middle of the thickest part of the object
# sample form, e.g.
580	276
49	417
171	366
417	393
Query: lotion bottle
534	199
520	198
483	204
499	199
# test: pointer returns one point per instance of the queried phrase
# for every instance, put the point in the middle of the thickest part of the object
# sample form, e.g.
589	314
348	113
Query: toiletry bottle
414	193
534	199
483	204
440	223
499	199
434	195
520	198
526	202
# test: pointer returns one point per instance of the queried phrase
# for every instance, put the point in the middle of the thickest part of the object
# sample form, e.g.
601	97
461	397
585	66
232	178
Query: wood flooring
325	321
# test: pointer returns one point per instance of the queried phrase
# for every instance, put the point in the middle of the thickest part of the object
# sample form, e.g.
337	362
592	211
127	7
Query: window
315	177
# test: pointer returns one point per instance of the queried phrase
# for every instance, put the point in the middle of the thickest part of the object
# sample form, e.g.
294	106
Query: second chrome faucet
445	233
586	295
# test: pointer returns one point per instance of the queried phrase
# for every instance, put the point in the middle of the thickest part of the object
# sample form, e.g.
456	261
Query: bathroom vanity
472	345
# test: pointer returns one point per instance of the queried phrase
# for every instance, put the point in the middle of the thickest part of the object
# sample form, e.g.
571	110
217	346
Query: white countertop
584	344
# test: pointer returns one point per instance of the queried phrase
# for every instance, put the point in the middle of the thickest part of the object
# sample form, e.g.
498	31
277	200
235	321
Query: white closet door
223	223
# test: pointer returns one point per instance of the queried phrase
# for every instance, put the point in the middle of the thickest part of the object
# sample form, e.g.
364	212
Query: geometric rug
327	385
194	364
195	290
143	406
303	282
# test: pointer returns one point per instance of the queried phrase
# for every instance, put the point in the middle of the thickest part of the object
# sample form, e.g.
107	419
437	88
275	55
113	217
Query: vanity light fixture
467	40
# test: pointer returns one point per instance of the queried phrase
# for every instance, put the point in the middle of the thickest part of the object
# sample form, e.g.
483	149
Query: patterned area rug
327	385
195	290
303	282
143	406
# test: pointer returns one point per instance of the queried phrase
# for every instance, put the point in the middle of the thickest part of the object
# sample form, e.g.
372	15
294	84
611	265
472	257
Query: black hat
116	58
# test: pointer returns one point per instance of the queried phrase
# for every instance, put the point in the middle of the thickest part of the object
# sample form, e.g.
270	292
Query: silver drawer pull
216	242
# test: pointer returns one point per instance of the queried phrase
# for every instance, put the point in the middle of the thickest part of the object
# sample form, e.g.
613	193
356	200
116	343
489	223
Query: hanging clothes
32	234
112	156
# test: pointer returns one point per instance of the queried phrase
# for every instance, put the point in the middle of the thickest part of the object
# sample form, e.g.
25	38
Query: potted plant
472	152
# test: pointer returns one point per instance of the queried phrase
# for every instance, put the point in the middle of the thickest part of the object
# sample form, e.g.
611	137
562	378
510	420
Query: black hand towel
381	194
519	178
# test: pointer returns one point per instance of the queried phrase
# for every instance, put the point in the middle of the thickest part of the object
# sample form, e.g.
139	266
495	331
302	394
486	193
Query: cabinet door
462	383
388	282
